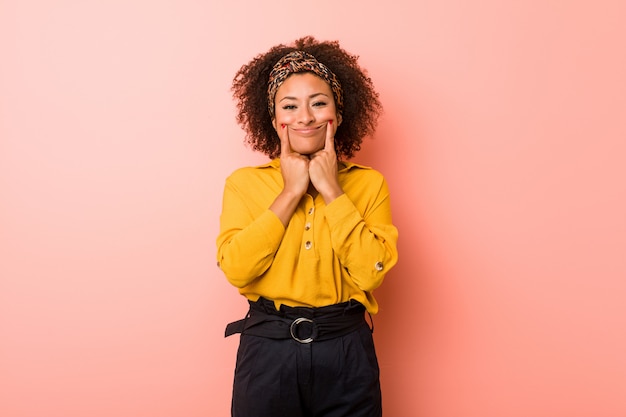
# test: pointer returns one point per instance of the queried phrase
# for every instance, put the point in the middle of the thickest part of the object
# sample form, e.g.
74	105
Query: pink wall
503	143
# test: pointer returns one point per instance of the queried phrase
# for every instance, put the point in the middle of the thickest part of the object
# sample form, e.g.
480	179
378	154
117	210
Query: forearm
331	192
285	205
366	248
244	254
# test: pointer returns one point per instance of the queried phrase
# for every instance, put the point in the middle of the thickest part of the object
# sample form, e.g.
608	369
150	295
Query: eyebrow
311	96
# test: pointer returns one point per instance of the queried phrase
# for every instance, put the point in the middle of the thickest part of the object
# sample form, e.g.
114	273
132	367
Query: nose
305	116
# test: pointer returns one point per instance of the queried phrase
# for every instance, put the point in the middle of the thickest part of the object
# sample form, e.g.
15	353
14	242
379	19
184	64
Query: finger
330	137
283	135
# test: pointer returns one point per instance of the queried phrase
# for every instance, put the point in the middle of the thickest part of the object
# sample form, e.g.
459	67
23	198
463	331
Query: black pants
338	377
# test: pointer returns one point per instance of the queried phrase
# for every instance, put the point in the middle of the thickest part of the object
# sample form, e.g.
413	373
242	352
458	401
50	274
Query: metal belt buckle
293	326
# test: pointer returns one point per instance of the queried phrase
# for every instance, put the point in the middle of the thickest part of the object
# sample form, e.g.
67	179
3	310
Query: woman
306	237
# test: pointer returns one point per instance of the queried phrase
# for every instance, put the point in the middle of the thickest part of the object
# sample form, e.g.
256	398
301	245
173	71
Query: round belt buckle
293	326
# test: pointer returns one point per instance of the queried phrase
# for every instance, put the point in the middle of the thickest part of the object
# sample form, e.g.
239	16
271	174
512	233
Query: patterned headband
300	61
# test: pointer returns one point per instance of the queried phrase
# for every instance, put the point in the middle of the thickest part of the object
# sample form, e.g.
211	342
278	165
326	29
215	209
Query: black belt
302	324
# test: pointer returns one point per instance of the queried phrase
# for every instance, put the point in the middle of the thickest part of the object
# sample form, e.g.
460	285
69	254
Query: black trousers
337	377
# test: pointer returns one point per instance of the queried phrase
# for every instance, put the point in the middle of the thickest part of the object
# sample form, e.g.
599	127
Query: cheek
330	113
285	118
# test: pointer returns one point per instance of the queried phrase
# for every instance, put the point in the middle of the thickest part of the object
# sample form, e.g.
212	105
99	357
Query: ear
339	120
274	123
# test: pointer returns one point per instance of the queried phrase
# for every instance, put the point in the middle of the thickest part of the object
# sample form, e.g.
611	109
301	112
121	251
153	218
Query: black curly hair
361	104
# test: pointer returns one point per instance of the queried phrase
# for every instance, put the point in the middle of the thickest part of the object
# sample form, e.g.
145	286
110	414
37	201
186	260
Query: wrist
332	194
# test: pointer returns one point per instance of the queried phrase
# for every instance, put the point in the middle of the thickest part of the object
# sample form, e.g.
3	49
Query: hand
323	168
294	167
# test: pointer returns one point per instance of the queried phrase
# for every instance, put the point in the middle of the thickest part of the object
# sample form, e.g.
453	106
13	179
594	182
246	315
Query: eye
319	104
288	107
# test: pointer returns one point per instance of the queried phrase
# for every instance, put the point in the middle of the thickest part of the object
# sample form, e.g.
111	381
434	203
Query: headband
300	61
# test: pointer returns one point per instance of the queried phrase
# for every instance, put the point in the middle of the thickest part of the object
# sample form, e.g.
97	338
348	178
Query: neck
312	191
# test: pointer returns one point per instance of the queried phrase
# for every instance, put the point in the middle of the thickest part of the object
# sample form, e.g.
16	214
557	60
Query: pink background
503	142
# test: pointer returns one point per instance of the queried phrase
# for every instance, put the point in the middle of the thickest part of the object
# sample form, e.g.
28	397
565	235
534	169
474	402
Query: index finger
330	137
283	135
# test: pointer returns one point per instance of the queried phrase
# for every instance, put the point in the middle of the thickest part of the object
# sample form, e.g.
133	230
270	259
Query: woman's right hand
294	167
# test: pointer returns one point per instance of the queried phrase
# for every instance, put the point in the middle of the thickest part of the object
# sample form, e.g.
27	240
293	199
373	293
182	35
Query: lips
307	130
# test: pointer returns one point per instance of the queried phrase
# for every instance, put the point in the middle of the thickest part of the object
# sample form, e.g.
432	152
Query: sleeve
249	236
365	242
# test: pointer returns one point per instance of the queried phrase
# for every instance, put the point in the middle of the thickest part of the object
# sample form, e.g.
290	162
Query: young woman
306	237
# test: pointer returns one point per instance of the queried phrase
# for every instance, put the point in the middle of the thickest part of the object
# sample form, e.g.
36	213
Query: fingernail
282	125
330	122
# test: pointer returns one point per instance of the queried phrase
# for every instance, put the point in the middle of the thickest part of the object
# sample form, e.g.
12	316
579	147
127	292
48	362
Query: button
308	245
218	264
307	226
379	266
310	211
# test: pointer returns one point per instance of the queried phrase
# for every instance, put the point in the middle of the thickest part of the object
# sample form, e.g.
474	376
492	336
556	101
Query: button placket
308	244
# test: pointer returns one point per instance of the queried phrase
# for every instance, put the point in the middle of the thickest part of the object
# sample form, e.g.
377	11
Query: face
305	104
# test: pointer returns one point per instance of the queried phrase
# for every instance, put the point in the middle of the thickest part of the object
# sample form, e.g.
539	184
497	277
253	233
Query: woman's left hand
323	168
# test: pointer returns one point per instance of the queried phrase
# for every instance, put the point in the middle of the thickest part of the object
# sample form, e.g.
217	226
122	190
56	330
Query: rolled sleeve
366	249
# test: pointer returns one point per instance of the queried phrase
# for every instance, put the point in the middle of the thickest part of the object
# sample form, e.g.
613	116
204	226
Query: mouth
307	130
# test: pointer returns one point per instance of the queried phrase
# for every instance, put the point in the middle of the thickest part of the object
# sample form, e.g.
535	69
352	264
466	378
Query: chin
307	150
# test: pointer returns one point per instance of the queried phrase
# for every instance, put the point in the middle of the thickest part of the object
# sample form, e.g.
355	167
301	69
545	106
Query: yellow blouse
327	254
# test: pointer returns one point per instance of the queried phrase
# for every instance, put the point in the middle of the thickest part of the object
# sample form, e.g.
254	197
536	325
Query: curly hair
361	107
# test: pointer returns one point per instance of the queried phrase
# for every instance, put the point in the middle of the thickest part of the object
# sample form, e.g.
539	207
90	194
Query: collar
347	165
